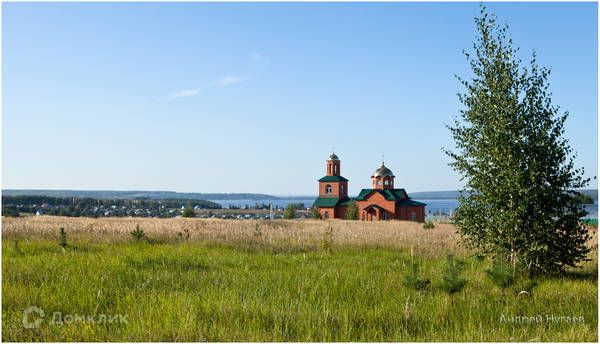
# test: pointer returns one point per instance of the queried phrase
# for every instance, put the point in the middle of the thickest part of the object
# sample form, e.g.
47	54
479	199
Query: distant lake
435	206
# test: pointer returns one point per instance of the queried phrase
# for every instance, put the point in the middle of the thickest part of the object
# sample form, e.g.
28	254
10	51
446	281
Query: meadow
281	280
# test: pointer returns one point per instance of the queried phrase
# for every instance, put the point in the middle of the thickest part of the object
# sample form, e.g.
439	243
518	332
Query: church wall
335	189
377	199
331	212
405	212
334	213
340	212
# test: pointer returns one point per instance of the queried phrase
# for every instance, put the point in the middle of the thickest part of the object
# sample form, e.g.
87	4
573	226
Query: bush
314	213
500	274
452	281
412	279
289	212
188	212
352	211
428	225
138	234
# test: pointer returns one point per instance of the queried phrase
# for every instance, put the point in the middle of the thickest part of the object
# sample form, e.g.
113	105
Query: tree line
74	206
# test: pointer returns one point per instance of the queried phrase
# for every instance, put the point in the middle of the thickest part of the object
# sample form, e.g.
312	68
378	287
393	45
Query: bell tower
333	165
333	184
383	178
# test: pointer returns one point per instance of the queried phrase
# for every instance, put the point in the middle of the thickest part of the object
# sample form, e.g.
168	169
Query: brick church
381	202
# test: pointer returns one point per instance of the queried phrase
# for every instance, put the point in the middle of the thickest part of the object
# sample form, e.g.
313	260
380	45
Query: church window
326	214
386	182
327	188
342	188
379	182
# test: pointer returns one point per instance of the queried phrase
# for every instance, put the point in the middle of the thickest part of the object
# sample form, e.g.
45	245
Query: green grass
199	291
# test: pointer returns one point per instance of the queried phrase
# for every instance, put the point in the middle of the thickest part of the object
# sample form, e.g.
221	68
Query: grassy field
197	280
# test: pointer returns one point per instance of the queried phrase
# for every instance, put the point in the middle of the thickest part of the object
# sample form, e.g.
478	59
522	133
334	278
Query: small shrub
452	281
188	212
314	213
352	211
500	274
62	241
412	278
428	225
138	234
290	212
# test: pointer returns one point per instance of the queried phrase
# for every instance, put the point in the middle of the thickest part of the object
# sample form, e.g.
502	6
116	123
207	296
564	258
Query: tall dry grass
278	233
282	234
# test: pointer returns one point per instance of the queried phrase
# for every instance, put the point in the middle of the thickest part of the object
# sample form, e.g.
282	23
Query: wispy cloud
230	80
184	93
222	82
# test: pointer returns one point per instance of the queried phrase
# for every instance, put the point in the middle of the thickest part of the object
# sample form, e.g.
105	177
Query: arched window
342	189
327	188
386	182
334	169
379	182
326	214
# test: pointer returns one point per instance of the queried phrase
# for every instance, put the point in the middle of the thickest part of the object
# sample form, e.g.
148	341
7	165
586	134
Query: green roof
330	202
333	179
398	195
389	194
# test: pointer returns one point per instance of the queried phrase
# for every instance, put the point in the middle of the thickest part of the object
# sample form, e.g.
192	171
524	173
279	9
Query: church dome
382	172
333	157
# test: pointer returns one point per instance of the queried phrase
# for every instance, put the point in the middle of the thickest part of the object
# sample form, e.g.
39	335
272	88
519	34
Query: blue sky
221	97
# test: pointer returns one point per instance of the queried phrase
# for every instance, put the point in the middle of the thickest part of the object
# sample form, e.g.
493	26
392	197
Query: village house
381	202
